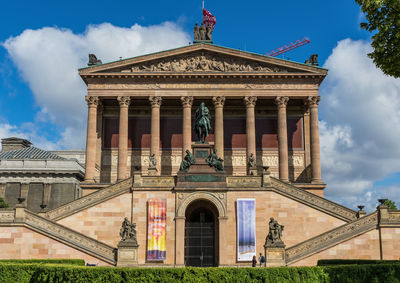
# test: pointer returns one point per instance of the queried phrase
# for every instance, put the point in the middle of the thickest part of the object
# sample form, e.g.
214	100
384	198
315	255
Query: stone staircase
310	199
70	237
331	238
89	200
22	217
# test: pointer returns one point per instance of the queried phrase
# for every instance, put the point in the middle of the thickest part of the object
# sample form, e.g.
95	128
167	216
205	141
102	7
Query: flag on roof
208	18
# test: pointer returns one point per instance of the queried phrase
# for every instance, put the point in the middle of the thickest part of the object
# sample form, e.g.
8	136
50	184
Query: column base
317	181
89	181
275	256
127	254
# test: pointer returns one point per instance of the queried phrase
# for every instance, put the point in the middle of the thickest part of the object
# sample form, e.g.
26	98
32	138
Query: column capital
250	101
312	101
155	101
187	101
124	101
281	101
218	101
92	101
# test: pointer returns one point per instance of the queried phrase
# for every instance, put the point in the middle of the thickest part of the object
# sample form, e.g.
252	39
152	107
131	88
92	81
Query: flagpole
203	4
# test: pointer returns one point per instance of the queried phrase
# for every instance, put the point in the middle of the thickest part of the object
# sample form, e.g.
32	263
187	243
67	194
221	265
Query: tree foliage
383	16
390	204
3	204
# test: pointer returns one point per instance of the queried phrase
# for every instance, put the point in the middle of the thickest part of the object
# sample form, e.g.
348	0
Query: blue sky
43	44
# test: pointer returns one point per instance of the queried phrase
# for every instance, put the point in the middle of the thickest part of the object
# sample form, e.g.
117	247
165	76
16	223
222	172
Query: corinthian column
219	125
281	102
155	102
91	137
250	102
124	102
312	102
187	102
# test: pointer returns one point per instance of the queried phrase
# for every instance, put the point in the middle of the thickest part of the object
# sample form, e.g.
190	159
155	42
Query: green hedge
67	273
45	261
325	262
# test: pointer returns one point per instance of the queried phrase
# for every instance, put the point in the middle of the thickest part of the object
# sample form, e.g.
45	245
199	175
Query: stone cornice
217	50
331	238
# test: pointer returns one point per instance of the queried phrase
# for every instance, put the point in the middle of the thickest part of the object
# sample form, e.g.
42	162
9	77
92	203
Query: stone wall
364	246
23	243
103	221
301	222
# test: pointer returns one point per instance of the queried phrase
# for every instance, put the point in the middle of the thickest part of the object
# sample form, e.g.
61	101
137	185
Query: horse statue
202	123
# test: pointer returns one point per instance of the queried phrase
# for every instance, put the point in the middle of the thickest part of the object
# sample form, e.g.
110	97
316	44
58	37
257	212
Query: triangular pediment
203	58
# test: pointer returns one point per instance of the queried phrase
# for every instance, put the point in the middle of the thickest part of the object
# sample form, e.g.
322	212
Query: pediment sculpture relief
205	63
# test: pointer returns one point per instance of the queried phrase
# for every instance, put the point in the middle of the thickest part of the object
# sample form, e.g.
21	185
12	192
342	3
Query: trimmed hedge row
45	261
64	273
325	262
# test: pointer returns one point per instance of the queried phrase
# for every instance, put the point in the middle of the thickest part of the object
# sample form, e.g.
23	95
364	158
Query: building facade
264	128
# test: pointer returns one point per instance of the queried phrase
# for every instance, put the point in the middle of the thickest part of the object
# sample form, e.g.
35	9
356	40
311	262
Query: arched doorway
201	234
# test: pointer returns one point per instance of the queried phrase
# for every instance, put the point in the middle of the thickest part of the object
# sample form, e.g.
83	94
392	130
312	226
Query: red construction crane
288	47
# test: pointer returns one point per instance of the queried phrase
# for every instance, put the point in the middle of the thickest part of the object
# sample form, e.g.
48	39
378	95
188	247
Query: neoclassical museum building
155	194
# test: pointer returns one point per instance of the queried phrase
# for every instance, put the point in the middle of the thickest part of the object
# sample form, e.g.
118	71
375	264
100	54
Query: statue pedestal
252	171
152	171
201	174
275	255
127	253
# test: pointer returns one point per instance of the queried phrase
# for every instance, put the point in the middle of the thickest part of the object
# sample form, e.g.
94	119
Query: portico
274	93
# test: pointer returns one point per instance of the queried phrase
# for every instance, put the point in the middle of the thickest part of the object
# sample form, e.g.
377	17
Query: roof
29	153
110	66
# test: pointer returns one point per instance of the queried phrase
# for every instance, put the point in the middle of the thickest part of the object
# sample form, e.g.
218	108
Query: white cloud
28	132
49	58
360	131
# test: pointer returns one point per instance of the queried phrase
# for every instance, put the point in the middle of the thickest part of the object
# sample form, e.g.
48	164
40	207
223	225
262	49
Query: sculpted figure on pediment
205	63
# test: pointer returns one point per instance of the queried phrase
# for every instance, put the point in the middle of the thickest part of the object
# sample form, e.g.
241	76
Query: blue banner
246	229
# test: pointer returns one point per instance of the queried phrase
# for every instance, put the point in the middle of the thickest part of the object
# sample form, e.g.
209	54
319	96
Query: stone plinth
275	256
252	171
152	171
127	253
201	174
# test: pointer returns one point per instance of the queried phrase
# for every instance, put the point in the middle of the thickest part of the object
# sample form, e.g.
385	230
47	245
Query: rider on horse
202	123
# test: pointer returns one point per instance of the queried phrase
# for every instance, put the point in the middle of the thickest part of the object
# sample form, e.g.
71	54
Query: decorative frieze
7	216
243	182
206	63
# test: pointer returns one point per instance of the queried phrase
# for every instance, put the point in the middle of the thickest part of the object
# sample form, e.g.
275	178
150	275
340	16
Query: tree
390	204
383	16
3	204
